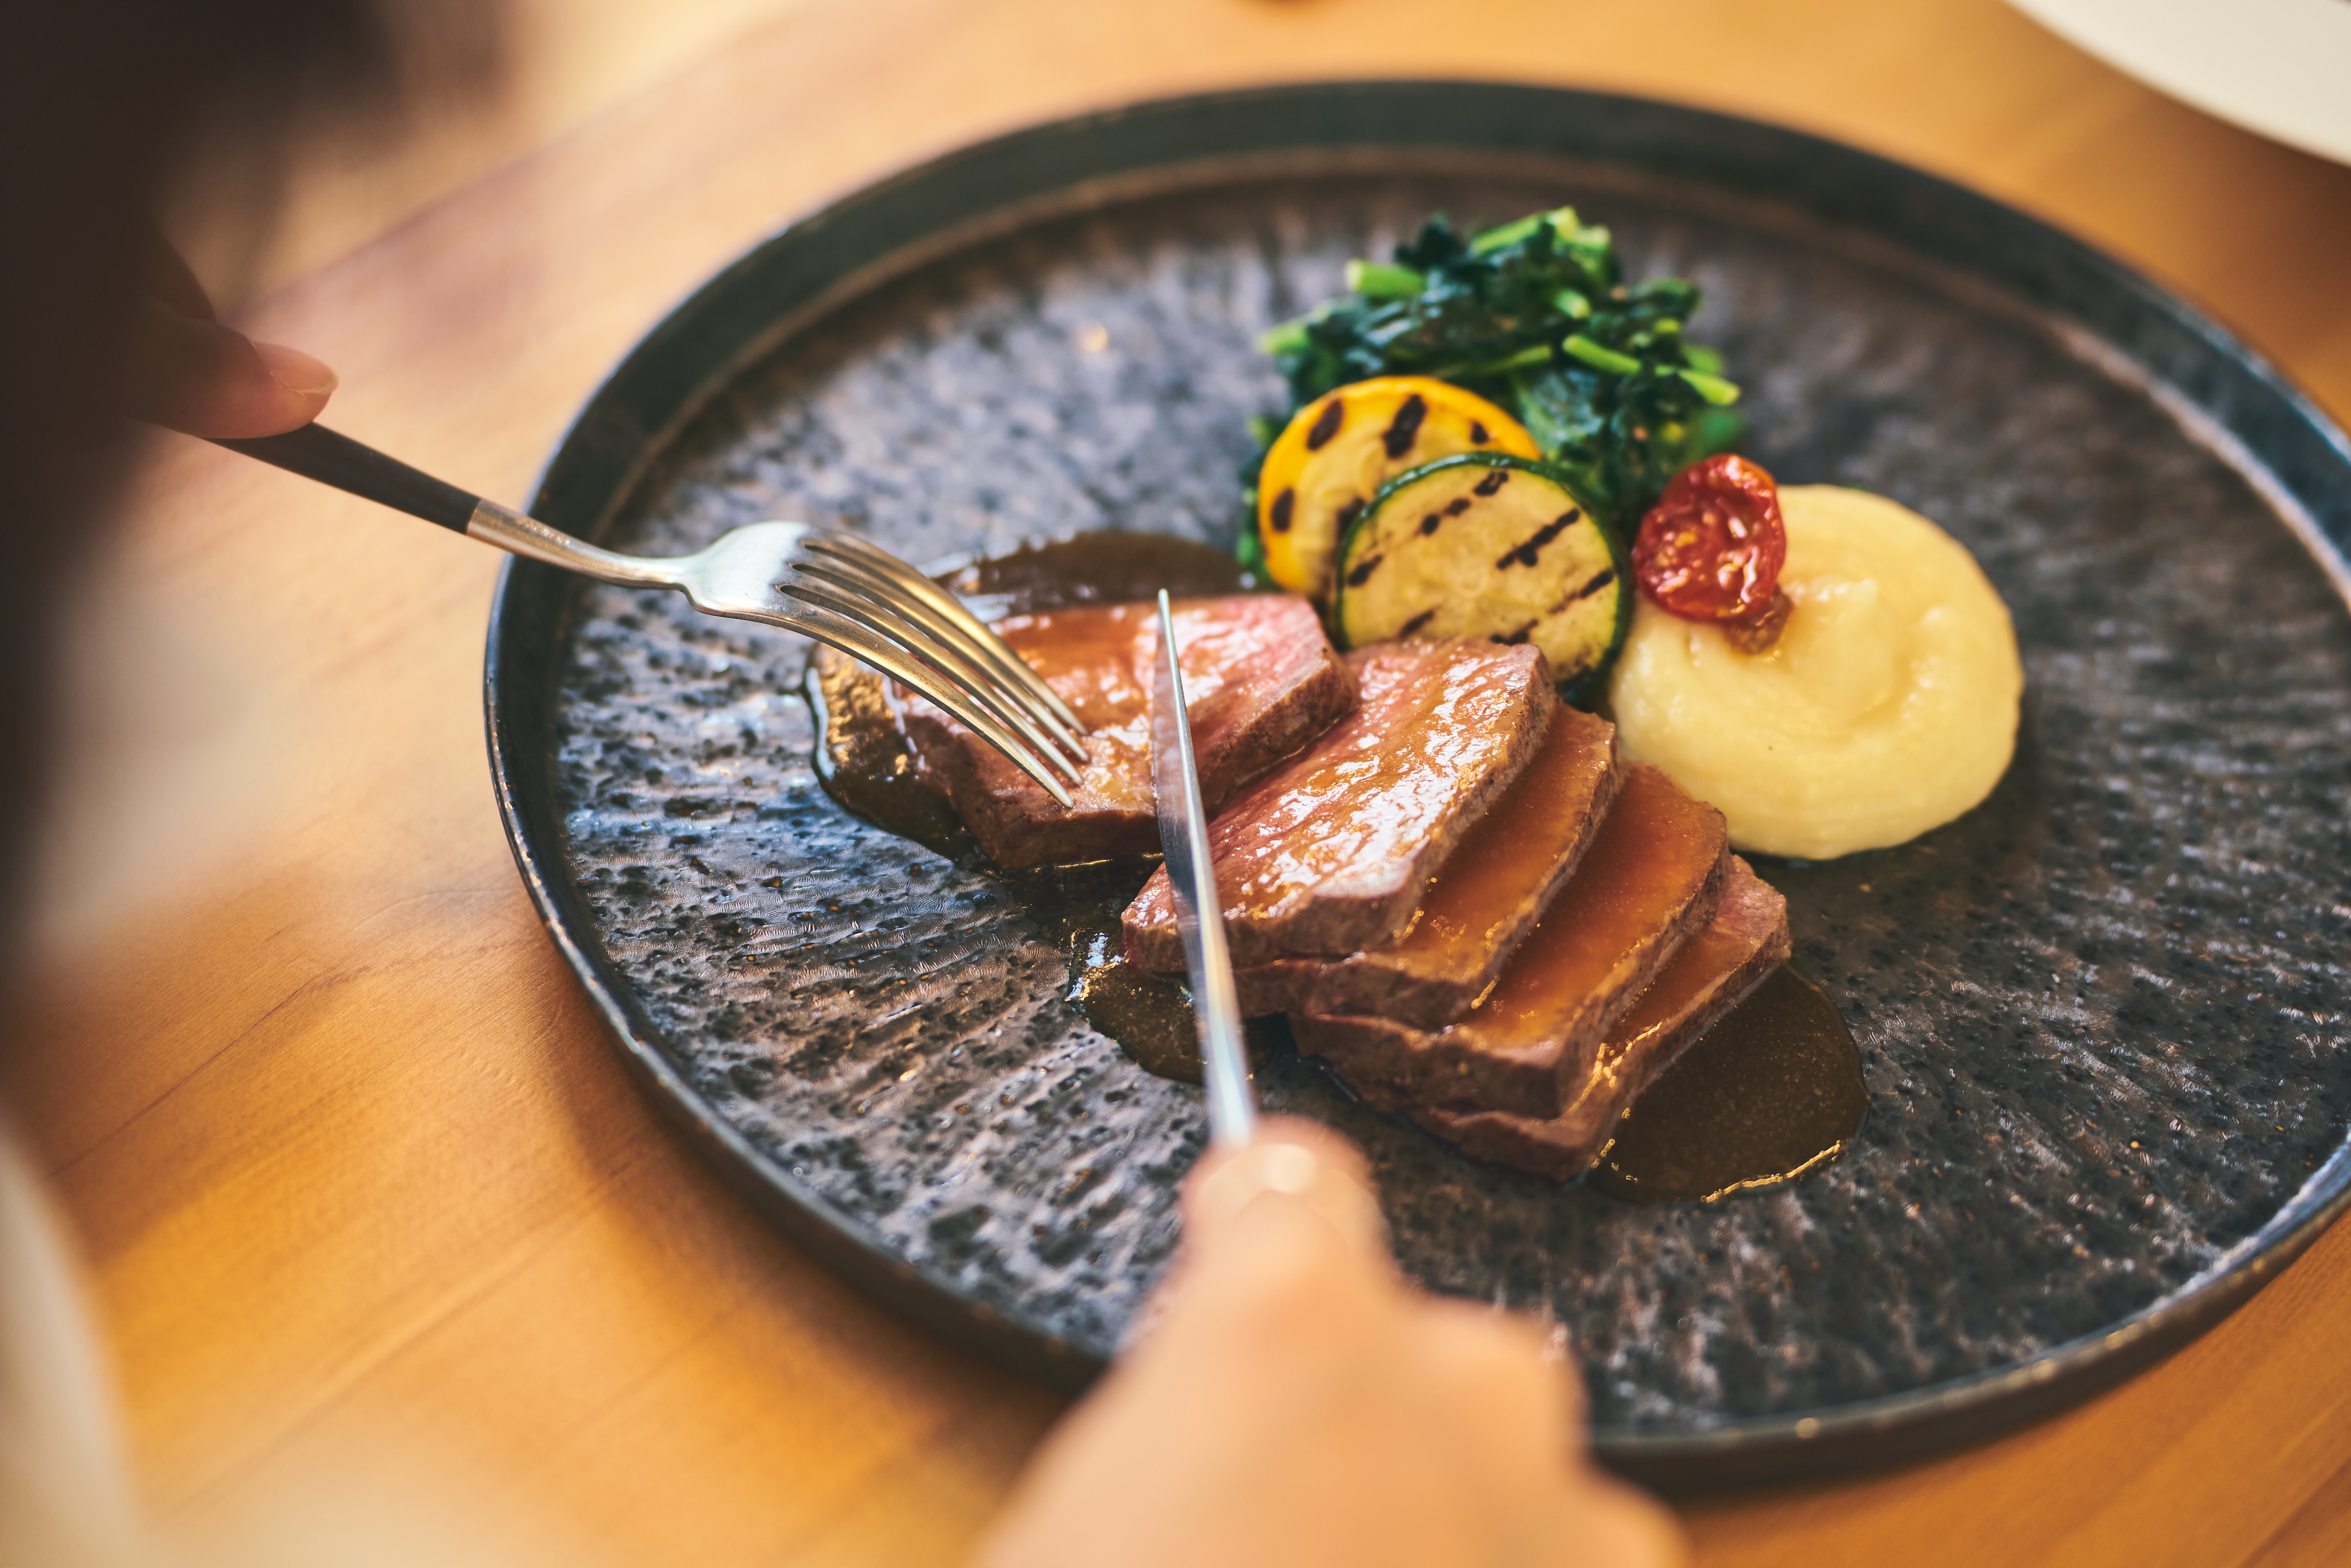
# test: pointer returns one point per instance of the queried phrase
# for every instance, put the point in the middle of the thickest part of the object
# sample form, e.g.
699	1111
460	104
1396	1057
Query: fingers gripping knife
1199	912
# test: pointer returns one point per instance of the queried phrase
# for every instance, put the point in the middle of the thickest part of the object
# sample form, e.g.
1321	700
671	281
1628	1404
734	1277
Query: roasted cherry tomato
1711	548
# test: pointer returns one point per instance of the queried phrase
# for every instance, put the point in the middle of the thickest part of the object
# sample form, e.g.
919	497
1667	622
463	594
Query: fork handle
353	466
316	453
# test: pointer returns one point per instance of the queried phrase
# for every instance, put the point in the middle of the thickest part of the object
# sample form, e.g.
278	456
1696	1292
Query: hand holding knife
1267	1402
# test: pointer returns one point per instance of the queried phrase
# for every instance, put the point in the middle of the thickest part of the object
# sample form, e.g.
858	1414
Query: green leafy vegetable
1535	316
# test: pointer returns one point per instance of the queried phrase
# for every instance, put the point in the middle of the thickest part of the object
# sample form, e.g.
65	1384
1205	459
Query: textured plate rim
2228	398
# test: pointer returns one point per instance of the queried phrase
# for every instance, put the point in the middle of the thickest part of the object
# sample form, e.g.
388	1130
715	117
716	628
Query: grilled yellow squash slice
1324	469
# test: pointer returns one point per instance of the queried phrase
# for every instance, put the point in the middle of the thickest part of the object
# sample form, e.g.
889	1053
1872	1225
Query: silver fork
834	587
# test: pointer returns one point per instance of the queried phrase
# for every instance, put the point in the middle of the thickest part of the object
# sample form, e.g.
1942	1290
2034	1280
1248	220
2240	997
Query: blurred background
353	1168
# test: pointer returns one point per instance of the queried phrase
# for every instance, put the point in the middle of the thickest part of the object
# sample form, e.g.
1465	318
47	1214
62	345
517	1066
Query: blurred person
100	101
1291	1398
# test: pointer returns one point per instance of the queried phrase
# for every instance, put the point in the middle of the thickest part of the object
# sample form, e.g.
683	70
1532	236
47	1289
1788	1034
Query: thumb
198	376
1282	1238
1289	1161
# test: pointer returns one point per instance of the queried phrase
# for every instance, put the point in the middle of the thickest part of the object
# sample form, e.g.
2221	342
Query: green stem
1714	388
1383	280
1563	219
1287	337
1578	347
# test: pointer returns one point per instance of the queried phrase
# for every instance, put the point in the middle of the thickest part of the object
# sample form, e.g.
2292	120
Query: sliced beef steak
1482	905
1712	973
1652	875
1261	677
1333	851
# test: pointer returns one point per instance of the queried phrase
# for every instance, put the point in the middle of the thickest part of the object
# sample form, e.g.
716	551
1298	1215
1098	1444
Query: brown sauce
1770	1093
1098	568
1150	1016
862	757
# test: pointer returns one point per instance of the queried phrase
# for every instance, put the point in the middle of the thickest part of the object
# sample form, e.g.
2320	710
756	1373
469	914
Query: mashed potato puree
1887	706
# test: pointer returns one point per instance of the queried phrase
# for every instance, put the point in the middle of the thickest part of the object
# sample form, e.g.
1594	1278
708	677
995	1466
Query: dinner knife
1199	912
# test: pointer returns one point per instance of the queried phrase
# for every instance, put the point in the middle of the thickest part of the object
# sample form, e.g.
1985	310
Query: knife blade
1199	912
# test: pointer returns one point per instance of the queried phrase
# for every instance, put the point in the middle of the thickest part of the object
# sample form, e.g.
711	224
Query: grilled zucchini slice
1488	545
1336	452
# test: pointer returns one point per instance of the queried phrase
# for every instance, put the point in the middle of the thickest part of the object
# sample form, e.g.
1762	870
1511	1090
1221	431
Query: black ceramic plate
2101	1017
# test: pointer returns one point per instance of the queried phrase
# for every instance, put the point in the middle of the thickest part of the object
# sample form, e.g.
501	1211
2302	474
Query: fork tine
849	546
936	655
860	643
862	579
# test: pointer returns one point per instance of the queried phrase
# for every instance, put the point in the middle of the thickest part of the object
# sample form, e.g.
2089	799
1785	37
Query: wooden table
353	1166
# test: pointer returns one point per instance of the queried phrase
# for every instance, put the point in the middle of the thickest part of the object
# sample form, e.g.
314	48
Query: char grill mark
1363	572
1528	553
1405	429
1326	425
1416	623
1479	434
1430	524
1493	483
1284	507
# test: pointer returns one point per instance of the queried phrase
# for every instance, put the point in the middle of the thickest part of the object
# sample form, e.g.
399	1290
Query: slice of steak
1482	905
1333	851
1713	972
1652	875
1261	679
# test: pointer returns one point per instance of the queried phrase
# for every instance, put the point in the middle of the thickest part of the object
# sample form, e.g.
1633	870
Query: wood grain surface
356	1172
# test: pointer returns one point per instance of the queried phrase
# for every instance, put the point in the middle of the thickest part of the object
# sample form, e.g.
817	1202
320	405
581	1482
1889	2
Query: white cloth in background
66	1497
